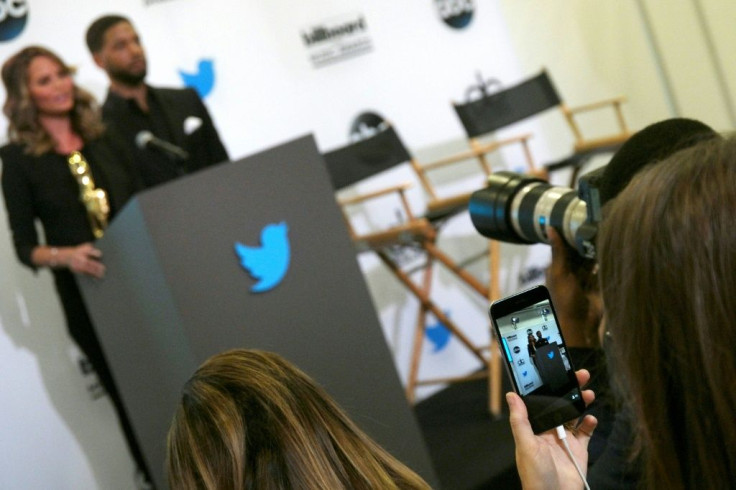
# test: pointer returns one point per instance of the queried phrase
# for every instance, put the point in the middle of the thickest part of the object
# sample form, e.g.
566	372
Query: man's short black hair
652	144
96	31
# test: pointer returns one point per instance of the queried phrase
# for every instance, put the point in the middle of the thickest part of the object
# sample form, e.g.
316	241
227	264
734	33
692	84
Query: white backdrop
266	91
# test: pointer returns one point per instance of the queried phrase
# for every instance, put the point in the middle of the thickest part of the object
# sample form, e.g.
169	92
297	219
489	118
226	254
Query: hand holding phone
536	358
541	459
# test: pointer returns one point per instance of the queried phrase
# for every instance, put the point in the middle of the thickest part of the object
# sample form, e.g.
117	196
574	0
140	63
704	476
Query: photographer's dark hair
652	144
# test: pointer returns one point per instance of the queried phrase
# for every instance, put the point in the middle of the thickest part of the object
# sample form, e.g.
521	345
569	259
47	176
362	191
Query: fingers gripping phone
536	358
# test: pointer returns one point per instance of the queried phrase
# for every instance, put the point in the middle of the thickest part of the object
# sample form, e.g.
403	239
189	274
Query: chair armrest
583	143
400	188
597	105
474	153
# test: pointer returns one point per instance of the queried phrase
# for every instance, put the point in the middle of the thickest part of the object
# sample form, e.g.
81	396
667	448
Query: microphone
146	139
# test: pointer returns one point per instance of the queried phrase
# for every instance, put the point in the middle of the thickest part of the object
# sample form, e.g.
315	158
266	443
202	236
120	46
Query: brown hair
249	419
23	124
668	277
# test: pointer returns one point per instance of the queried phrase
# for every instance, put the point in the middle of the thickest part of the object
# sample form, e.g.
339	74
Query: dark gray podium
176	293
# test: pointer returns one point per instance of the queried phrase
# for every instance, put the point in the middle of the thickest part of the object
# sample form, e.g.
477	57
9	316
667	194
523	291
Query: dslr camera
517	208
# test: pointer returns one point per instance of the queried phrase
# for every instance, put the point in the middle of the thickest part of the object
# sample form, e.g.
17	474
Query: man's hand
578	311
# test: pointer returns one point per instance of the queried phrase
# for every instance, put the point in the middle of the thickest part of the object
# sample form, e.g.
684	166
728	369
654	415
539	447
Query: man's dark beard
127	78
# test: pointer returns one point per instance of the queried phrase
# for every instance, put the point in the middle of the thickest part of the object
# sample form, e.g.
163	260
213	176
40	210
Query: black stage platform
470	449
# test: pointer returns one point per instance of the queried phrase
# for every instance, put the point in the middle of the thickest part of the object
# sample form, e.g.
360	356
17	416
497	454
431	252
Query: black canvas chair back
365	158
508	106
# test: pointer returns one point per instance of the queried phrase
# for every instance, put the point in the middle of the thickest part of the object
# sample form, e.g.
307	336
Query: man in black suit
540	341
176	116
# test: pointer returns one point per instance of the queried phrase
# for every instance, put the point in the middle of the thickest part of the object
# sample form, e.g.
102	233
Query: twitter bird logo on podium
269	262
203	80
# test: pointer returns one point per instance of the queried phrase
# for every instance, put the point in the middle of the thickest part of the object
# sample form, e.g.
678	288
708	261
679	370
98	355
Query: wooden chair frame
442	206
533	96
584	145
420	232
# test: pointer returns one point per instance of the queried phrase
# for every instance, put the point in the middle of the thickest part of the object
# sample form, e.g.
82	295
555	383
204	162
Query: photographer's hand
578	311
541	460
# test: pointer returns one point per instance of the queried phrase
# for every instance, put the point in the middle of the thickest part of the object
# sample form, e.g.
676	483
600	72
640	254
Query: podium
551	367
176	292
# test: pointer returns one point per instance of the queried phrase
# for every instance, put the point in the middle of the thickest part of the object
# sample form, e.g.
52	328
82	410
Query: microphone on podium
146	139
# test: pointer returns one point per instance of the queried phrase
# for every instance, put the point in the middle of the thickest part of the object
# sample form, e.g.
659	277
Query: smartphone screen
536	357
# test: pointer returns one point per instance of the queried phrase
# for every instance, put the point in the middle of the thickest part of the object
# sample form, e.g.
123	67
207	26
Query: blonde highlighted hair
249	419
23	123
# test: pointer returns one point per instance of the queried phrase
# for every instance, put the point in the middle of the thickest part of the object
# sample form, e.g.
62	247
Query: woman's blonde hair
249	419
23	123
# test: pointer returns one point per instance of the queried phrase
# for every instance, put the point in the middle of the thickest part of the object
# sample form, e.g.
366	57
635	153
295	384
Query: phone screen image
536	357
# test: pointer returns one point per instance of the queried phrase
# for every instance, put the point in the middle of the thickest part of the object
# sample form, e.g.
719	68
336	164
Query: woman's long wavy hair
23	122
248	419
668	276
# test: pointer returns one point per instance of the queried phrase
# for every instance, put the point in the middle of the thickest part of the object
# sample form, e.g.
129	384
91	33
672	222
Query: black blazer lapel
174	109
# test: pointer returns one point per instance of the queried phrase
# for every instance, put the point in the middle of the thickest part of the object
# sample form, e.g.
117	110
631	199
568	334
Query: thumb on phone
519	420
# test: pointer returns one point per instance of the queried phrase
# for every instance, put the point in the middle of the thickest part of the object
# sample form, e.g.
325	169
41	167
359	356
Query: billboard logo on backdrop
336	39
13	18
456	13
148	3
367	124
531	275
202	80
268	262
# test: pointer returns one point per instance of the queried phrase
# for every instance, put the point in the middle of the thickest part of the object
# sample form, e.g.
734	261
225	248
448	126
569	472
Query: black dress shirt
177	116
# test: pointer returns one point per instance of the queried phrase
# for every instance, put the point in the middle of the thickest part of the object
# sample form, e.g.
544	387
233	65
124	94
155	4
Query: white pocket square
191	124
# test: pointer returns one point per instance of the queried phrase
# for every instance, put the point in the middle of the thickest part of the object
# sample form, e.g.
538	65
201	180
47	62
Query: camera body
517	208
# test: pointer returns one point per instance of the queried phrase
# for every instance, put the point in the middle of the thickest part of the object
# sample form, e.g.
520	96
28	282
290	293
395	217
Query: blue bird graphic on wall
203	80
269	262
438	335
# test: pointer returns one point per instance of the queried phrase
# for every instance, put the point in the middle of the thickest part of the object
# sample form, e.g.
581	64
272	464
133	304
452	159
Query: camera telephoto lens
517	208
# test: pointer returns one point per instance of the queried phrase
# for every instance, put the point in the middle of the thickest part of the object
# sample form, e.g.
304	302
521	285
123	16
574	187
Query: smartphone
536	358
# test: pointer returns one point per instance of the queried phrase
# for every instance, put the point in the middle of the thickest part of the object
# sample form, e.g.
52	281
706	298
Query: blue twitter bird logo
438	335
269	262
203	80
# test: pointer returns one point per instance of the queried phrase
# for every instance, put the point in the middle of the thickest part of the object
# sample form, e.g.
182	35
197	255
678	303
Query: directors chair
369	156
494	110
440	207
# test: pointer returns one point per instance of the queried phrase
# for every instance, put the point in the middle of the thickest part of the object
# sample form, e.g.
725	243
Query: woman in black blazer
49	119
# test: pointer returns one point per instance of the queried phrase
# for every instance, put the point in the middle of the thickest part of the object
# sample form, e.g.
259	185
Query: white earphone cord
562	435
